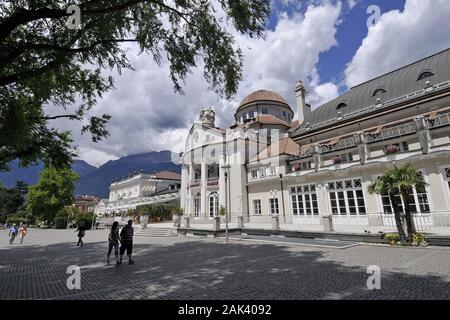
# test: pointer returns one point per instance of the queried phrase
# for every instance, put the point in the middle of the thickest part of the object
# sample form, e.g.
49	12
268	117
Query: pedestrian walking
81	232
12	233
126	240
113	242
22	232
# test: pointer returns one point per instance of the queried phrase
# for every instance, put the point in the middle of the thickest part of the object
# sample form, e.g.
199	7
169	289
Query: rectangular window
254	174
196	207
304	200
346	197
257	206
265	111
417	201
274	209
273	170
262	172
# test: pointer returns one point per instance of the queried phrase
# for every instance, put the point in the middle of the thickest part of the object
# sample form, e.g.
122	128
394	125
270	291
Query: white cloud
400	38
147	115
352	3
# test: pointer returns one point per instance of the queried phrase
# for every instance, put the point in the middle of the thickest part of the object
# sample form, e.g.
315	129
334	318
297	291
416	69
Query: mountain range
96	180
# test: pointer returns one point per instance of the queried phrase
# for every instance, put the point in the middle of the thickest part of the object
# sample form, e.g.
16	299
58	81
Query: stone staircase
155	232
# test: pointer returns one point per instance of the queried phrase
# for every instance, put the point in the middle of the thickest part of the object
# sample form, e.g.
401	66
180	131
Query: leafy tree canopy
11	200
42	61
53	192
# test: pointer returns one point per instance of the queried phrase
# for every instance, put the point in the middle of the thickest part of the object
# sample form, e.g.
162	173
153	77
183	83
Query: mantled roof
262	96
283	146
390	88
167	175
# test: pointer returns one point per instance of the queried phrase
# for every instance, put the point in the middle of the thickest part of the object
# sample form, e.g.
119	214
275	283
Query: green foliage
22	218
222	211
52	192
158	212
12	200
391	237
84	219
44	62
419	239
61	218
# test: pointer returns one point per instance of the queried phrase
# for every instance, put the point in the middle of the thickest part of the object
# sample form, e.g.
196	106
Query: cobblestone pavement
193	268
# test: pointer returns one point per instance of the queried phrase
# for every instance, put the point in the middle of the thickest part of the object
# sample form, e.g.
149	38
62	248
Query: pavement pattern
203	268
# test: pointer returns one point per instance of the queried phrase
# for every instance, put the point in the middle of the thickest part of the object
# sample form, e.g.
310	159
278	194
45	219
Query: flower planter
391	149
337	160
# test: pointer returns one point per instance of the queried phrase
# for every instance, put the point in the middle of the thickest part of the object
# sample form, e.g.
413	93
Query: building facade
320	166
140	189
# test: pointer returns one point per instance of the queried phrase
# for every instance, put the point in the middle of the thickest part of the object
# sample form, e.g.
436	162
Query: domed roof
262	95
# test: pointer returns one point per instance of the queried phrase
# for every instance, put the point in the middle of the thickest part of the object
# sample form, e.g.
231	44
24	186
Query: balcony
194	183
392	132
440	120
213	181
343	143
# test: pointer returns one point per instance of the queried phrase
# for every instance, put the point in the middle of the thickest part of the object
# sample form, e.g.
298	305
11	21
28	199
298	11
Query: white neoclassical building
319	167
139	189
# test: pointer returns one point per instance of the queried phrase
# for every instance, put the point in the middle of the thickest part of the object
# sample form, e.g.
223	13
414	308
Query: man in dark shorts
126	240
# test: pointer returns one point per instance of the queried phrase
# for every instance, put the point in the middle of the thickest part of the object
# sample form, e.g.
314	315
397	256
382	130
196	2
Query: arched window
379	92
424	75
213	205
341	105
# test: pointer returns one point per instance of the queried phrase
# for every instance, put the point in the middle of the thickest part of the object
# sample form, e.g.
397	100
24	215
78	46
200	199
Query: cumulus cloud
400	38
147	115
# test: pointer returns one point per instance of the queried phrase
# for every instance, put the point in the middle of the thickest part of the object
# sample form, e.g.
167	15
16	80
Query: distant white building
140	189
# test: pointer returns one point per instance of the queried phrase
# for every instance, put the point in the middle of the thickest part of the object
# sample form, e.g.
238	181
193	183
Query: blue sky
350	34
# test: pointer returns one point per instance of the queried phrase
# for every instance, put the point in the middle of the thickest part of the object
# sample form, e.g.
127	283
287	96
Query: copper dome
262	95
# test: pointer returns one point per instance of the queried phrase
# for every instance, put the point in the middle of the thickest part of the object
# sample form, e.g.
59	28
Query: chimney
303	109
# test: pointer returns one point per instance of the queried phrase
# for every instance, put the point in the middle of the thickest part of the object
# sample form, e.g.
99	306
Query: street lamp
226	169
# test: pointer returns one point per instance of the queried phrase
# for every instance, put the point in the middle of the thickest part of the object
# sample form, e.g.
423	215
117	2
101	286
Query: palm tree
406	178
386	185
400	180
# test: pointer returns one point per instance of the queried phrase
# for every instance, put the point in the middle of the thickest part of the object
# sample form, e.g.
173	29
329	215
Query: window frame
276	206
342	199
254	207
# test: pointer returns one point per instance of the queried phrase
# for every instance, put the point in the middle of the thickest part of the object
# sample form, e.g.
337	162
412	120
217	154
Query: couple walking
126	240
13	231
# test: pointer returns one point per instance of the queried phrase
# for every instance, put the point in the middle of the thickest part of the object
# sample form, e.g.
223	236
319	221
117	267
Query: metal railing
440	120
392	132
344	143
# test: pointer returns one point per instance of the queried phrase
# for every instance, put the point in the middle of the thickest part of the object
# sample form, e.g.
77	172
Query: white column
222	185
204	179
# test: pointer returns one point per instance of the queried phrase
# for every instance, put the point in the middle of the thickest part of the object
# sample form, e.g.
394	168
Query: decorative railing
392	132
213	181
344	143
307	152
194	183
440	120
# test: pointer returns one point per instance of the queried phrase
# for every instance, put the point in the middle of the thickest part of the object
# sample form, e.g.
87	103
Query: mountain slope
95	181
30	174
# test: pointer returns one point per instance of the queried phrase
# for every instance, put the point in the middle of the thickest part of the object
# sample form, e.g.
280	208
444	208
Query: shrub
20	218
418	239
84	219
392	237
61	218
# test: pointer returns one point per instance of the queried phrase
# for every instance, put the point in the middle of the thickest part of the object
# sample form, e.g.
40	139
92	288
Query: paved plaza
205	268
